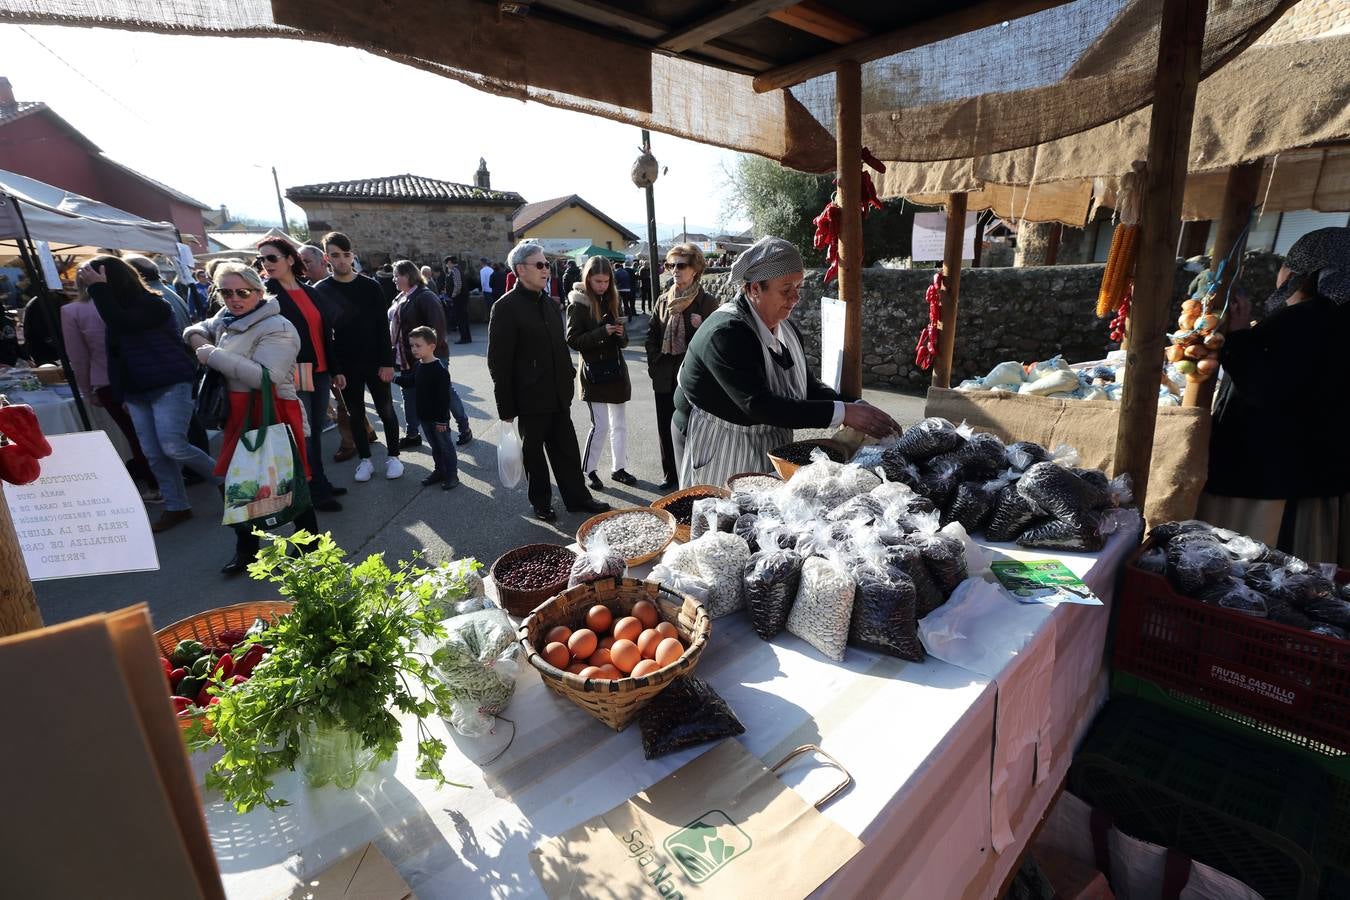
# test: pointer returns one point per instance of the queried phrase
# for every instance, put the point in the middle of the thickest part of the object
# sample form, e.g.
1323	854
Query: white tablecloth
941	757
56	413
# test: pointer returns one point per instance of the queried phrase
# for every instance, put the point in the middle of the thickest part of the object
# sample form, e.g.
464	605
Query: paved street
480	519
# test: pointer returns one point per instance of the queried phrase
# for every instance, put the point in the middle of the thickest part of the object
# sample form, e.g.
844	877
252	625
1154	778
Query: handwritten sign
930	236
84	515
831	341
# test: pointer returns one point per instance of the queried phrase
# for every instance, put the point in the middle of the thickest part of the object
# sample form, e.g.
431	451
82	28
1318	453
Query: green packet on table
1042	581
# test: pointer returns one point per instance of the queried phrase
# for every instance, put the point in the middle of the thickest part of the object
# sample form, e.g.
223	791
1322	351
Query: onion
1215	340
1209	322
1206	367
1196	351
1175	353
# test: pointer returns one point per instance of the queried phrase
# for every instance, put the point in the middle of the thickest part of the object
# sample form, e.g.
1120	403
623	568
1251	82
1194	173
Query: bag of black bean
772	579
713	514
687	713
885	616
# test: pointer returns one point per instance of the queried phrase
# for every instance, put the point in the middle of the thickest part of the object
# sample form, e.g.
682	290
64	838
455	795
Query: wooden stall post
1052	246
951	272
848	165
18	603
1239	197
1179	44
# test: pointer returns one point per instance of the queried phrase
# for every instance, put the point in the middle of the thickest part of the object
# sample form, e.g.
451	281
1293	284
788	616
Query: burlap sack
1180	444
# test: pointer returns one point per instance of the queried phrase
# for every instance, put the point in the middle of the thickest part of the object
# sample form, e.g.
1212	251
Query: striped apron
715	449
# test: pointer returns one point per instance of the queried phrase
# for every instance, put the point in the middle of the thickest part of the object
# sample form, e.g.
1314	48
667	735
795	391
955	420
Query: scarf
674	341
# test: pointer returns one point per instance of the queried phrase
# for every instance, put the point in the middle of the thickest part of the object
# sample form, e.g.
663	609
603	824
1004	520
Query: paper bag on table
366	874
720	826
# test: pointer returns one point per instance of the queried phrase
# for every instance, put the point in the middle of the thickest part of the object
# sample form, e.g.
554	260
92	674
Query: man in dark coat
532	378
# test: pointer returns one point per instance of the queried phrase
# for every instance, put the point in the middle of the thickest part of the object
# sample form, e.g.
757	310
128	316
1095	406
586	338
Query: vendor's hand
87	275
695	320
386	374
1239	313
340	382
869	420
204	353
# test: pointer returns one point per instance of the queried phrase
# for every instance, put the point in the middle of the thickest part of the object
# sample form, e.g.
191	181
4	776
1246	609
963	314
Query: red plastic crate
1294	682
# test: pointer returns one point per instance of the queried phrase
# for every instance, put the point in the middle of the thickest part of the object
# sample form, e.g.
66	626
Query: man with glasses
532	378
365	355
199	296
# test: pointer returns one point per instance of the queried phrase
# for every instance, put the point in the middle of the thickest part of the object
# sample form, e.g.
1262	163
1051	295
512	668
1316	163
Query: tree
784	202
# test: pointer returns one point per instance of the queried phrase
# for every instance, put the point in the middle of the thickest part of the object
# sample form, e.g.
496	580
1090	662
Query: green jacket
527	356
596	346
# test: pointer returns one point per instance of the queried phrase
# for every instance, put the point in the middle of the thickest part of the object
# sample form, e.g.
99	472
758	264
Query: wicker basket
835	450
589	525
616	702
698	491
517	602
731	482
206	625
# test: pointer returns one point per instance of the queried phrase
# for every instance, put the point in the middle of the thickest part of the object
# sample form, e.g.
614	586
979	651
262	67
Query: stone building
413	217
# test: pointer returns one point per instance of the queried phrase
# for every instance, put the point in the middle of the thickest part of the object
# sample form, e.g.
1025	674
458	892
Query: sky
211	116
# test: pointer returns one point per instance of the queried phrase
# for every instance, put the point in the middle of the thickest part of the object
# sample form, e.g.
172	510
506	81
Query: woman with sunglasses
248	335
679	312
314	318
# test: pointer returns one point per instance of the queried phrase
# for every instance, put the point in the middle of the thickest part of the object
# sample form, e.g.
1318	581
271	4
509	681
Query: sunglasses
268	257
673	266
538	265
241	293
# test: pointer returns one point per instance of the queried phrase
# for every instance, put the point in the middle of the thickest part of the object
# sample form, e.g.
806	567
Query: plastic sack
510	456
885	615
478	662
1153	560
683	583
1012	514
1280	611
1052	382
1232	593
721	560
895	467
973	504
1061	493
1007	372
927	439
1196	561
455	588
943	555
927	595
596	562
1330	610
772	579
823	606
1022	455
982	456
747	529
939	482
712	514
1057	534
687	713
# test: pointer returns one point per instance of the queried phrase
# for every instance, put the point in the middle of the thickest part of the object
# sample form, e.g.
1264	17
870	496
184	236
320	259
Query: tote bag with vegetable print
265	483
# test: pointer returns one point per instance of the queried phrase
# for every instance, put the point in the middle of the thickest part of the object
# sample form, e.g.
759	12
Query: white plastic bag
510	456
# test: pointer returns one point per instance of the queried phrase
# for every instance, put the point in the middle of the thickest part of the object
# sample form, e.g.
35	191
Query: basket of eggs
612	645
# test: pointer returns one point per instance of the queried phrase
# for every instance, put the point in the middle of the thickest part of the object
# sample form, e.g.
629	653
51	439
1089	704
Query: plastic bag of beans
596	562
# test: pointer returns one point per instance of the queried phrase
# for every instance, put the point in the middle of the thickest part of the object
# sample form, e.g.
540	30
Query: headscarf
766	258
1325	253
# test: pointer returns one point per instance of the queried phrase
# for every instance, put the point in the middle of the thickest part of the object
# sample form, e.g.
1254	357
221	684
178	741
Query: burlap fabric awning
1285	104
1062	69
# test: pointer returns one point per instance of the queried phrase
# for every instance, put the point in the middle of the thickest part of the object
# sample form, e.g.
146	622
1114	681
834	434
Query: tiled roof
10	112
408	188
533	213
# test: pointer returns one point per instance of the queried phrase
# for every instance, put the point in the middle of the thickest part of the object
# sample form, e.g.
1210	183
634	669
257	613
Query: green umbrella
595	250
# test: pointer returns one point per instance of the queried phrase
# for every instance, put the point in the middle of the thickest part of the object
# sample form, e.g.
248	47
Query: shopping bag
720	826
510	456
265	483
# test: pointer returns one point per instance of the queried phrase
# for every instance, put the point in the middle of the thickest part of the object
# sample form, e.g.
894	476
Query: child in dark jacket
432	391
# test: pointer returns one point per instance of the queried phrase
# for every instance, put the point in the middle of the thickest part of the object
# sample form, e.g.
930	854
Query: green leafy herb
346	656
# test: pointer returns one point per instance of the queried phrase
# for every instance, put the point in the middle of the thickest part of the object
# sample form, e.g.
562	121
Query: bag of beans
772	578
687	713
477	661
823	606
713	514
885	606
596	562
721	560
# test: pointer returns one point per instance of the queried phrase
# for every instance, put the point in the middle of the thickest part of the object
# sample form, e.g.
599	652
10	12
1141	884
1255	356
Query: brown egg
609	672
668	651
607	641
576	667
601	657
645	667
591	672
627	629
645	612
599	618
647	642
558	634
626	655
582	643
667	630
556	654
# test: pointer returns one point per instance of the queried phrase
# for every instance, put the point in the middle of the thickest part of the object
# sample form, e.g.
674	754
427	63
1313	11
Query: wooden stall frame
952	249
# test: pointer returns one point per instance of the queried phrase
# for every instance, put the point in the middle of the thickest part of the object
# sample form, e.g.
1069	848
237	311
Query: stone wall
423	232
1025	314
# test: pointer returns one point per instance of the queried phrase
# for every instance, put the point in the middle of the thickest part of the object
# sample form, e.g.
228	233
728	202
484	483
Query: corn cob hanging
1119	273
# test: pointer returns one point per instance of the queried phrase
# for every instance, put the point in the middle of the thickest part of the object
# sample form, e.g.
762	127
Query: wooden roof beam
608	16
818	19
971	18
734	16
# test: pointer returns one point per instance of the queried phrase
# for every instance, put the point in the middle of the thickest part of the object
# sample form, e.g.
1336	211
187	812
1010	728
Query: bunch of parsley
345	657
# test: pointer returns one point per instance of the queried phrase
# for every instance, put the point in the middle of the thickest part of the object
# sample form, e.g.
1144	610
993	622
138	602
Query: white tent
72	223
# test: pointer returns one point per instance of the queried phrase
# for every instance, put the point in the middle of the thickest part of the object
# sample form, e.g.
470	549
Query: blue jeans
316	410
161	419
442	451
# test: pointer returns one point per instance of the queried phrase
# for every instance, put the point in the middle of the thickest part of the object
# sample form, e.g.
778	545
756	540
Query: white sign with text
930	236
831	341
84	514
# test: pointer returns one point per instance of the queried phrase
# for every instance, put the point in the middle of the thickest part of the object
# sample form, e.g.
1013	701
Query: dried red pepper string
827	223
925	351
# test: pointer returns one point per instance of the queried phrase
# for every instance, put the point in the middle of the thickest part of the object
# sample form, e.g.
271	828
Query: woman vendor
744	384
1277	470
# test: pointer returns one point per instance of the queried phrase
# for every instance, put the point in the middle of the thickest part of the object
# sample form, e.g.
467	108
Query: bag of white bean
721	562
824	605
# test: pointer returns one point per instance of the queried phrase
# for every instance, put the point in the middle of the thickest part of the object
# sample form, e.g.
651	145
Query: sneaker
152	496
170	518
594	480
409	442
364	470
464	437
393	468
622	477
